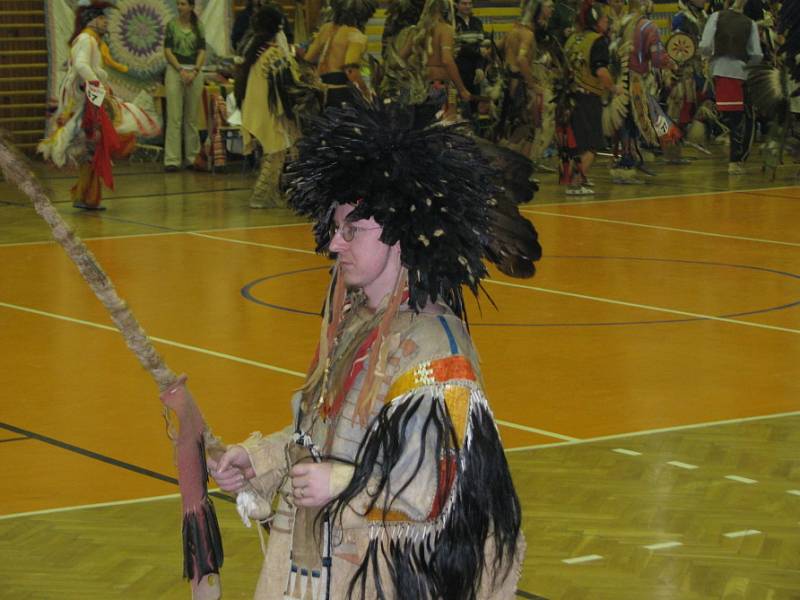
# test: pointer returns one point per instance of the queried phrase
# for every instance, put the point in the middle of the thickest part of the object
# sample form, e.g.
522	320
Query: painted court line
535	430
743	533
739	479
581	296
662	228
793	492
631	434
661	197
172	343
160	233
63	509
663	545
626	452
582	559
249	243
252	227
661	309
682	465
92	239
233	358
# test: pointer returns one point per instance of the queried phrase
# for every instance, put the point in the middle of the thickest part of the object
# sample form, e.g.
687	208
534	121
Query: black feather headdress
428	185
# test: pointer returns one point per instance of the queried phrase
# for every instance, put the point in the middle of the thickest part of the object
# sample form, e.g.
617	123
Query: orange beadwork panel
428	373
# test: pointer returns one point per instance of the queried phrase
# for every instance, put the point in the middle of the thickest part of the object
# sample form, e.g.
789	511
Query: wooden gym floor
645	382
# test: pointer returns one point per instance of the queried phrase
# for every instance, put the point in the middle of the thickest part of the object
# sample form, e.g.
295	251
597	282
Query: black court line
100	457
16	439
90	454
524	594
136	469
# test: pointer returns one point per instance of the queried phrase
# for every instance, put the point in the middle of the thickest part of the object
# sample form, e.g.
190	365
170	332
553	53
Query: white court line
793	492
63	509
740	479
663	545
92	239
682	465
167	342
238	359
582	559
660	197
155	234
631	434
670	311
508	284
743	533
535	430
249	243
251	227
626	452
662	228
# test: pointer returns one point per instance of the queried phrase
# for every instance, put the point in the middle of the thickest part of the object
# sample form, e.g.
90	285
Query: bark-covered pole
201	538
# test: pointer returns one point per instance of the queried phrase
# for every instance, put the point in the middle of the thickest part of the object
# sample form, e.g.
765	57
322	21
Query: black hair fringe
447	563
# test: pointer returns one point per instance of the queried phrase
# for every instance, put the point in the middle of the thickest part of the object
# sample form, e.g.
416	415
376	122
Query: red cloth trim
447	474
100	130
330	410
730	94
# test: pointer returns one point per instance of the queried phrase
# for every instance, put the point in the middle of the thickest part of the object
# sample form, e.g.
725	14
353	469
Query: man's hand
233	470
311	484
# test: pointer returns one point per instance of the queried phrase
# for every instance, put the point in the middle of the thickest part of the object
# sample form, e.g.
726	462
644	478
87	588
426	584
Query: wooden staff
202	544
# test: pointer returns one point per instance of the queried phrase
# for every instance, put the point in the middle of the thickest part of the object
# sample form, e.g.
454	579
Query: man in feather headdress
731	40
92	126
392	482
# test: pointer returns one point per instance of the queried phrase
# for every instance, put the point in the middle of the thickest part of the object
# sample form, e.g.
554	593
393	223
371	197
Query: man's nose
337	242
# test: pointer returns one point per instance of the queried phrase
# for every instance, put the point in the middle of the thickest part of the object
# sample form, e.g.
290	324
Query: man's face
465	8
365	261
602	24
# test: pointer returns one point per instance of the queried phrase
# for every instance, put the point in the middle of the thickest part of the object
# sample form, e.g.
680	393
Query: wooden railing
23	71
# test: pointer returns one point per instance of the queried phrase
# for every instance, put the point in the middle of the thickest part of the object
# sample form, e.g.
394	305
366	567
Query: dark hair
193	17
266	22
86	14
354	13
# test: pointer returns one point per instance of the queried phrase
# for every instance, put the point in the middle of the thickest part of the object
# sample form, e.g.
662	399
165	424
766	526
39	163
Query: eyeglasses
348	230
